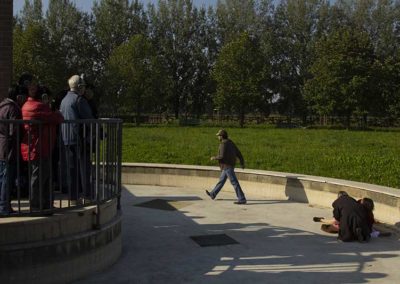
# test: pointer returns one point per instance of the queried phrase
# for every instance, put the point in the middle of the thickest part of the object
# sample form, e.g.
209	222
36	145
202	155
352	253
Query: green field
366	156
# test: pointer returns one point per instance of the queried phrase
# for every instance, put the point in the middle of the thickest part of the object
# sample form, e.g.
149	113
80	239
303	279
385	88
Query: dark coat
9	110
351	215
74	108
227	154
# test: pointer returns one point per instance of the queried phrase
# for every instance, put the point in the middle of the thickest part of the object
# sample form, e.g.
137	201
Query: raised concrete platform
278	243
60	248
319	191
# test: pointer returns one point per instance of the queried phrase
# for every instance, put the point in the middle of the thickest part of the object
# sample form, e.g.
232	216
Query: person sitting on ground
351	218
329	225
369	206
332	226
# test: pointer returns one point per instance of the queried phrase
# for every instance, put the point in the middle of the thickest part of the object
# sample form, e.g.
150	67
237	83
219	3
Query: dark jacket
73	107
8	131
370	216
227	154
351	215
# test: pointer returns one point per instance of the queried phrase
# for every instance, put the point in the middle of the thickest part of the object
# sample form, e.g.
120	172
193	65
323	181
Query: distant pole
6	45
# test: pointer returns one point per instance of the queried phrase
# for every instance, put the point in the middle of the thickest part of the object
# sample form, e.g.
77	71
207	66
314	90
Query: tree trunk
138	111
348	118
176	106
241	119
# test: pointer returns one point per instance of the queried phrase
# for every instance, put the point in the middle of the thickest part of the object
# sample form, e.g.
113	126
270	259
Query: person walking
227	154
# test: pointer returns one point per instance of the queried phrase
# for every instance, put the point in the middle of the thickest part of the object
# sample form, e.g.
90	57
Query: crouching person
37	143
352	218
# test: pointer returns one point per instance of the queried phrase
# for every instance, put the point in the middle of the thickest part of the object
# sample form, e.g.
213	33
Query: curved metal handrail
71	175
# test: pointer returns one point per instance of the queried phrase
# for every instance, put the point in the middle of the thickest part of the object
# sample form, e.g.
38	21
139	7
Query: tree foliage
311	57
343	74
239	73
136	85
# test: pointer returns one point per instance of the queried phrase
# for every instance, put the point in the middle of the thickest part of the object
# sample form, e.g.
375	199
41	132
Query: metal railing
47	168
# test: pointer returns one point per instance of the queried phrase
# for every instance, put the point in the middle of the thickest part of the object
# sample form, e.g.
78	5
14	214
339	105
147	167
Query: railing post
119	163
97	225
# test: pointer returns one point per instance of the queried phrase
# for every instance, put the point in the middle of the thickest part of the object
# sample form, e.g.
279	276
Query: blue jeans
7	176
229	173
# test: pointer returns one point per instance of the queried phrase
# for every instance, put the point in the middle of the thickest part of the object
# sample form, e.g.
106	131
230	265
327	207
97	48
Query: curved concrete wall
257	184
60	248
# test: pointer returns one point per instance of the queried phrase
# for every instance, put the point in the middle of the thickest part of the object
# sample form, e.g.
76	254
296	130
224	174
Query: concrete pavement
278	243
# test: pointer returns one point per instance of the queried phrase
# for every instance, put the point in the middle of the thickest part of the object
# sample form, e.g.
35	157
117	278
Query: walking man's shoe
209	194
240	202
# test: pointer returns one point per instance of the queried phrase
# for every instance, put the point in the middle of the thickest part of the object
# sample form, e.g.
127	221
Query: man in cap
227	154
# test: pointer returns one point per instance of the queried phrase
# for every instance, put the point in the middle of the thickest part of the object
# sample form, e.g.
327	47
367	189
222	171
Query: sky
87	4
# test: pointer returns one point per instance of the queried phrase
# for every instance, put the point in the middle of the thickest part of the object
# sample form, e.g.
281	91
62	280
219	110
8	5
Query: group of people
353	219
31	143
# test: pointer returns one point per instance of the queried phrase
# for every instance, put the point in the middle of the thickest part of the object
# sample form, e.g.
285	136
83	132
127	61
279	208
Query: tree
236	17
203	56
33	54
55	47
379	18
343	75
31	13
178	30
296	27
136	75
380	21
388	84
71	42
115	22
31	51
239	73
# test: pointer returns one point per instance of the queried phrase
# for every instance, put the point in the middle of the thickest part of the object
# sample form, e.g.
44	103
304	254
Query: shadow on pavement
157	249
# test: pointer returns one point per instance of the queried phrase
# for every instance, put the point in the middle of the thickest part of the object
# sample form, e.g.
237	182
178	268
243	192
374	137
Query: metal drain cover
214	240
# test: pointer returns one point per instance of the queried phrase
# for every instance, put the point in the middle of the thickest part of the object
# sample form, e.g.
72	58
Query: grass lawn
366	156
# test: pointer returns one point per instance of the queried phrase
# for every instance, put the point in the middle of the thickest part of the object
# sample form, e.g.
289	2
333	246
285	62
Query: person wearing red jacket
37	144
